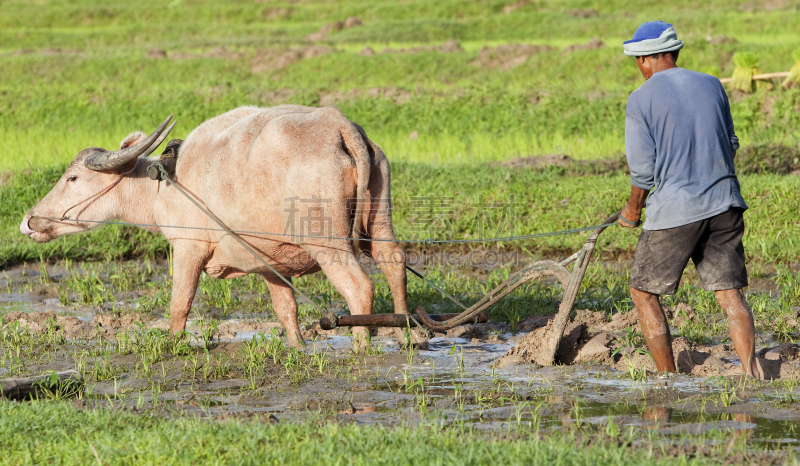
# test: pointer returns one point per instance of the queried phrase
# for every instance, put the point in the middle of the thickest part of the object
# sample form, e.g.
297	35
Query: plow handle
571	290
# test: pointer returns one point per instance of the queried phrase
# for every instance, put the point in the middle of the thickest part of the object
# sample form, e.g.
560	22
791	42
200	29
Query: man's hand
633	210
630	216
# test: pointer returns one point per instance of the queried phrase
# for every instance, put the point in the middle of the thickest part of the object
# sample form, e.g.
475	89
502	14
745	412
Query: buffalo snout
25	228
37	228
40	224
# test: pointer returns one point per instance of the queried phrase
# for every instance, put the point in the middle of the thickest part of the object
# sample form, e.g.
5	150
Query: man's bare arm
633	210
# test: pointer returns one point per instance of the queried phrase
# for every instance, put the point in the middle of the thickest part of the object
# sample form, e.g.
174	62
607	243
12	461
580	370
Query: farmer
679	139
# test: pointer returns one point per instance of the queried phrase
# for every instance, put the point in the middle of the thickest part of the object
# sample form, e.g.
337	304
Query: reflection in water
359	409
670	422
748	424
657	413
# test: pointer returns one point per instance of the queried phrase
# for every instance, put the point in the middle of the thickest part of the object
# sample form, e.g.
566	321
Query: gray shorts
714	245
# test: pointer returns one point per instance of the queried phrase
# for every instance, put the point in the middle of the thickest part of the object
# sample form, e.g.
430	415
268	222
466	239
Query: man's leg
742	328
658	263
720	262
655	329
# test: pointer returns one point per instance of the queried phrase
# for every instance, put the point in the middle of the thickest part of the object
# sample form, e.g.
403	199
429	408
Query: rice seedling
223	367
88	287
103	369
219	294
195	365
56	389
611	429
576	413
373	349
63	295
208	330
44	277
19	345
155	390
458	357
158	299
794	72
746	68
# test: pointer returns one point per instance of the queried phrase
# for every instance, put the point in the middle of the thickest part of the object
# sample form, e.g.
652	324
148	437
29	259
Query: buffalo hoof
416	338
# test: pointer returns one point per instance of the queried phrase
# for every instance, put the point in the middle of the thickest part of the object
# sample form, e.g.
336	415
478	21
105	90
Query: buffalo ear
132	139
129	140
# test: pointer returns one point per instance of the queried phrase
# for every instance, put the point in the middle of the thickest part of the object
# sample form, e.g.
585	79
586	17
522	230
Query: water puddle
20	302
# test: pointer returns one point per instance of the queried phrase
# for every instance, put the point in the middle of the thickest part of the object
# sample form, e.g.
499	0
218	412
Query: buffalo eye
72	178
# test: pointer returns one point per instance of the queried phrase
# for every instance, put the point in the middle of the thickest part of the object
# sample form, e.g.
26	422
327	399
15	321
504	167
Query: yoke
168	159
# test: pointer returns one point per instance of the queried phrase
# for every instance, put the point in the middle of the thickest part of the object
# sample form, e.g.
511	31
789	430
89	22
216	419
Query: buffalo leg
388	255
391	260
285	305
187	268
343	270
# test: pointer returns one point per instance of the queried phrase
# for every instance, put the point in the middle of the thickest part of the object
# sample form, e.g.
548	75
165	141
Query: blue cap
651	38
650	30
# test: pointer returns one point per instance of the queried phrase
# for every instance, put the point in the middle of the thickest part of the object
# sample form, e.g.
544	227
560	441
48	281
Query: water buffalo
286	169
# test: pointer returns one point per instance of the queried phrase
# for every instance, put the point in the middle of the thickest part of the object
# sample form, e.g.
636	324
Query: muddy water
453	381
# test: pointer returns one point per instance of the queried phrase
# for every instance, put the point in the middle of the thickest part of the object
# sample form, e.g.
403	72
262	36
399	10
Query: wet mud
591	338
485	376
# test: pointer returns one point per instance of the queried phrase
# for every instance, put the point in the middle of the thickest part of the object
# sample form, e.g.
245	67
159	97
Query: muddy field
235	365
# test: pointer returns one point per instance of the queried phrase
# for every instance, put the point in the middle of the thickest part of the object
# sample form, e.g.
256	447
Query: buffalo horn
106	160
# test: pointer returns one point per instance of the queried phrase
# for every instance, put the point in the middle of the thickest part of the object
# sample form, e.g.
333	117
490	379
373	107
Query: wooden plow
571	281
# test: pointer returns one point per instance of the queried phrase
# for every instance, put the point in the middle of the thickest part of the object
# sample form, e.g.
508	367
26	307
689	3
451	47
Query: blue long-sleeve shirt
679	138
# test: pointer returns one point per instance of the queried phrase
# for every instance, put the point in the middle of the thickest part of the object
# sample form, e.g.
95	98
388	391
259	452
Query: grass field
80	74
99	84
529	201
452	91
65	435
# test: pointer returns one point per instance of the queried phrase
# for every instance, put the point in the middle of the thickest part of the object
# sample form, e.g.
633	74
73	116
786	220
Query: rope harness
235	236
94	196
376	240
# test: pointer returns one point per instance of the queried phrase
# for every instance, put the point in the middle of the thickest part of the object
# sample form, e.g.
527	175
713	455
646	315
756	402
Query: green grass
101	86
47	432
478	202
